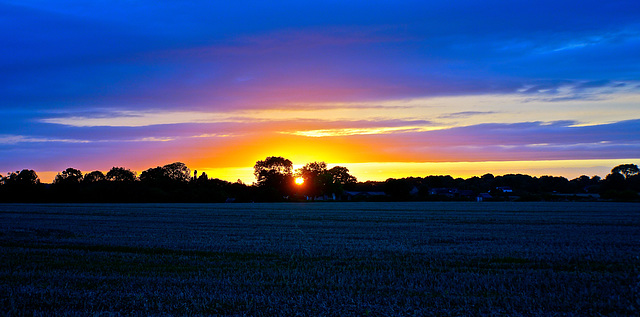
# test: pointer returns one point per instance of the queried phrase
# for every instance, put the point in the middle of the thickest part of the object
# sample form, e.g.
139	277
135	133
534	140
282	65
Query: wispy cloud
15	139
465	114
593	39
355	131
140	119
563	90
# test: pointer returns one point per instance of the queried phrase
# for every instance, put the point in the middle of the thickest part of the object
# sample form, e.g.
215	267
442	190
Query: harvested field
335	259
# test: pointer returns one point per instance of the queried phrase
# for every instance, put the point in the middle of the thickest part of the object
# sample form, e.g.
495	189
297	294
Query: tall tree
319	181
274	176
25	177
178	171
613	181
120	174
93	177
340	178
626	169
316	178
170	173
69	176
341	175
272	168
28	177
22	186
154	175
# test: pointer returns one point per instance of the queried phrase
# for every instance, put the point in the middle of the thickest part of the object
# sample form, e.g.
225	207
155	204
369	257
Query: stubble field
321	259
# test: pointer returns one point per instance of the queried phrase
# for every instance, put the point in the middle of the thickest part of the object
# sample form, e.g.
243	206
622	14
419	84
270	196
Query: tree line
276	181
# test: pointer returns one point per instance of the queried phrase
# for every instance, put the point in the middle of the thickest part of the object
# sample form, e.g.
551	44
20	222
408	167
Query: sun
299	181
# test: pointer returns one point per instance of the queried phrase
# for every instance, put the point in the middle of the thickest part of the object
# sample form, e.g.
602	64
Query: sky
384	88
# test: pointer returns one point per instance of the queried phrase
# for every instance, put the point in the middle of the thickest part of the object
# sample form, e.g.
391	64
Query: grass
336	259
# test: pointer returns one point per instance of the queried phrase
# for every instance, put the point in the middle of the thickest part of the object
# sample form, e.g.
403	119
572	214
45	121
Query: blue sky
221	84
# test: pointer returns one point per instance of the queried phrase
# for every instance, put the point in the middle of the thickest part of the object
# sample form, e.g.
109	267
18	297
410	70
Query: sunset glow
386	89
299	181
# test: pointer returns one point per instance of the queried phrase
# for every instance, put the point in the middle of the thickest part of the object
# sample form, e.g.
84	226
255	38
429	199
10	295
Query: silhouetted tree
616	186
272	165
583	180
312	169
26	178
20	180
202	178
315	177
518	183
633	182
154	175
476	184
341	175
169	183
439	181
93	177
178	171
584	184
320	181
120	174
274	177
487	177
94	188
613	181
67	186
554	184
626	170
340	179
398	189
69	176
174	183
174	172
21	186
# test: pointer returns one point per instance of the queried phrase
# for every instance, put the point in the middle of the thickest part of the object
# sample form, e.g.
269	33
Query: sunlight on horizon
380	171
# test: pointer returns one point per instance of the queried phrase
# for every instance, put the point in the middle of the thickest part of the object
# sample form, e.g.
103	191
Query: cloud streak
14	139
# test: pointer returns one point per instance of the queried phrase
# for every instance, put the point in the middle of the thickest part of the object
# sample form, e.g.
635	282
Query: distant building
505	189
483	197
323	197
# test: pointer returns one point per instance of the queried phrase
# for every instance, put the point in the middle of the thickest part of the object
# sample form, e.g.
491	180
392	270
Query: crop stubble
380	259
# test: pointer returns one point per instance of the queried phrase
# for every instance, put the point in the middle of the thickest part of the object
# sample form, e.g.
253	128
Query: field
330	259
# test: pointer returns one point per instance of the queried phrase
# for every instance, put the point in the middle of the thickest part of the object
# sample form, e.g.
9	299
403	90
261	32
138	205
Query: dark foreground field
336	259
